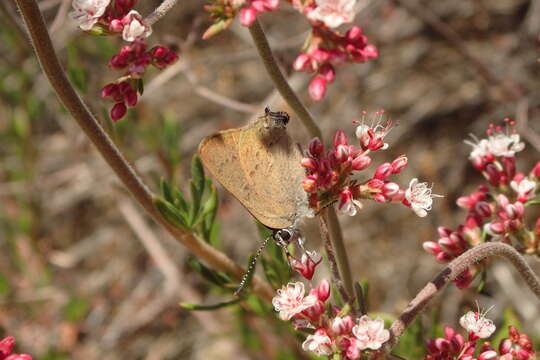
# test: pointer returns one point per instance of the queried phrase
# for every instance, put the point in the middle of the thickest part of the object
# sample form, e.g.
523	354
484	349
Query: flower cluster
111	17
6	348
496	210
331	334
325	47
454	346
330	173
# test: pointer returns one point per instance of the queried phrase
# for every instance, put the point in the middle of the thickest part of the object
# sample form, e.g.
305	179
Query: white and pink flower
419	197
318	343
524	188
478	324
87	12
134	27
333	12
370	334
347	204
291	300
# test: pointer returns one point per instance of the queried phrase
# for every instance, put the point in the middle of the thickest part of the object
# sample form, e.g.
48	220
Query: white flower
135	27
477	324
370	334
290	300
480	148
420	197
371	137
87	12
524	188
347	204
333	12
505	145
318	343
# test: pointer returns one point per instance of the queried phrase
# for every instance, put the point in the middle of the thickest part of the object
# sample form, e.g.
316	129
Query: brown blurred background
85	275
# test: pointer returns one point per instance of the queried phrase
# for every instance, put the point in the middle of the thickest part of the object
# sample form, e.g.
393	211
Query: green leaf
166	191
214	277
4	285
180	201
532	202
197	173
361	291
195	307
75	70
140	86
196	196
170	213
211	205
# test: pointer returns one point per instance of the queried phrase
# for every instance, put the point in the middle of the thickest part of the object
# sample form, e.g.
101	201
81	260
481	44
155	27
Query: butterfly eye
283	237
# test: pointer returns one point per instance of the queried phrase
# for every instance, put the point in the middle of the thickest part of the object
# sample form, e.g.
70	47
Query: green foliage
198	214
75	70
5	287
412	343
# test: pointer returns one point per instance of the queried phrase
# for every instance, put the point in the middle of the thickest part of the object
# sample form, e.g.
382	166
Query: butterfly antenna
251	268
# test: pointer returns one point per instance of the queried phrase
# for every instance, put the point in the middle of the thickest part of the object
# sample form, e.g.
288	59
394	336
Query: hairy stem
257	33
160	11
290	97
328	246
48	60
451	272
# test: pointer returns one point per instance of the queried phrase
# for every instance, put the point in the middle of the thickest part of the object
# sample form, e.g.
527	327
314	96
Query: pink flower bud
131	98
310	184
19	357
317	88
314	312
375	183
483	209
328	72
390	189
354	33
118	111
488	355
383	171
316	147
342	325
536	170
497	227
6	346
443	231
340	138
309	163
399	164
380	198
109	90
323	290
302	62
248	16
116	25
431	247
342	153
361	162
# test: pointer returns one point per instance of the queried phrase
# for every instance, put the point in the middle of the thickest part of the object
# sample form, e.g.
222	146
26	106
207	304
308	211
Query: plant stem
328	246
160	11
339	247
450	273
290	97
48	60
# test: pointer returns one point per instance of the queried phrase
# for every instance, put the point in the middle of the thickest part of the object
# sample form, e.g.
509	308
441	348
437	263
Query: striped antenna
251	267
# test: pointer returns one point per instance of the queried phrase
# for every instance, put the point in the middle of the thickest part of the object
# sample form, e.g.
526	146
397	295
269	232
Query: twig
43	48
338	244
290	97
328	246
451	272
160	11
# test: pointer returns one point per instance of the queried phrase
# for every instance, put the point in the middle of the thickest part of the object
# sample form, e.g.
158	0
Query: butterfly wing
260	166
271	161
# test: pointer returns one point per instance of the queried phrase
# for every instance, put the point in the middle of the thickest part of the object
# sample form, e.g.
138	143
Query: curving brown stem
160	11
451	272
48	60
328	246
281	84
259	38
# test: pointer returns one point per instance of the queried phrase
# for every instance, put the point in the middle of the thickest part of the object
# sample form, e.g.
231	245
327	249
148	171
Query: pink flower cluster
134	59
6	347
325	48
328	48
330	174
335	334
454	346
115	17
496	210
